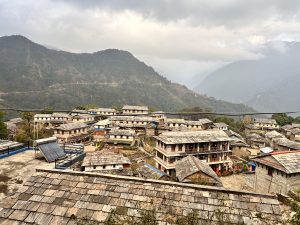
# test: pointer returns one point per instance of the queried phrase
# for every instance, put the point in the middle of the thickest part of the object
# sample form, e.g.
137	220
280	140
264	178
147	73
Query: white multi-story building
118	136
211	146
135	110
102	112
72	132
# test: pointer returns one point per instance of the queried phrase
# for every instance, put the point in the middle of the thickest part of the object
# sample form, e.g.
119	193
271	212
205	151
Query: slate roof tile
131	195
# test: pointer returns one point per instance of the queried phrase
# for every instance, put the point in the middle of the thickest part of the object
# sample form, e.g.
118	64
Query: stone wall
265	183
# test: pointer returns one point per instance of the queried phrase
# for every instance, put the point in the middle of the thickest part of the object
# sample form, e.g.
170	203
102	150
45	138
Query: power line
164	113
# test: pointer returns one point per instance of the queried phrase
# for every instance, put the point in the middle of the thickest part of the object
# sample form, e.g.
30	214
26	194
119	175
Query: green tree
296	217
25	131
283	119
47	110
193	113
3	127
235	125
297	119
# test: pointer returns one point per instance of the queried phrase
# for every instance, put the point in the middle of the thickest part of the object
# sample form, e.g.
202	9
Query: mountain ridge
32	76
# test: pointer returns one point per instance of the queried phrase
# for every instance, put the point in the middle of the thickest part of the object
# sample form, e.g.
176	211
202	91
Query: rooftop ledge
150	181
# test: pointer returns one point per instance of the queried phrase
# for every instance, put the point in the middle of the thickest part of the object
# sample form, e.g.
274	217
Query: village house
101	128
194	125
277	172
238	143
256	140
102	112
211	146
12	126
105	160
118	136
135	110
133	122
295	135
102	124
291	131
42	118
193	170
83	118
206	123
159	115
220	126
172	123
72	133
52	119
60	118
266	124
271	136
284	144
261	126
76	112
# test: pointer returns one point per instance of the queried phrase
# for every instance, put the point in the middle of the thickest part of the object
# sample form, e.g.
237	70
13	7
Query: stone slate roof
220	125
16	120
205	121
193	136
82	116
287	143
295	131
135	107
174	120
266	121
102	110
151	172
61	197
237	139
274	134
255	137
104	157
42	116
64	115
72	126
103	122
288	162
190	165
133	118
122	132
195	123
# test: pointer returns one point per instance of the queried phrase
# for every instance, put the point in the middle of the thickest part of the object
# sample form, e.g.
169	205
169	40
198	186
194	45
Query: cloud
178	37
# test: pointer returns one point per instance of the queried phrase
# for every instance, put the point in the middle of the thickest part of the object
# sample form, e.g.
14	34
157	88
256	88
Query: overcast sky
179	38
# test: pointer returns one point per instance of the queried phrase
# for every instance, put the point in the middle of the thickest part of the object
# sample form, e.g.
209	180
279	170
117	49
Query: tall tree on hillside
25	132
3	128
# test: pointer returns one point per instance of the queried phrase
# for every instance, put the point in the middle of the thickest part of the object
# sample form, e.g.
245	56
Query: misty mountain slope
282	97
242	81
32	76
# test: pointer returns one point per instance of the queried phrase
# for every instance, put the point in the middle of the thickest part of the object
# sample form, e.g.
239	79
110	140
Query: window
94	167
179	147
270	171
173	148
104	167
114	166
